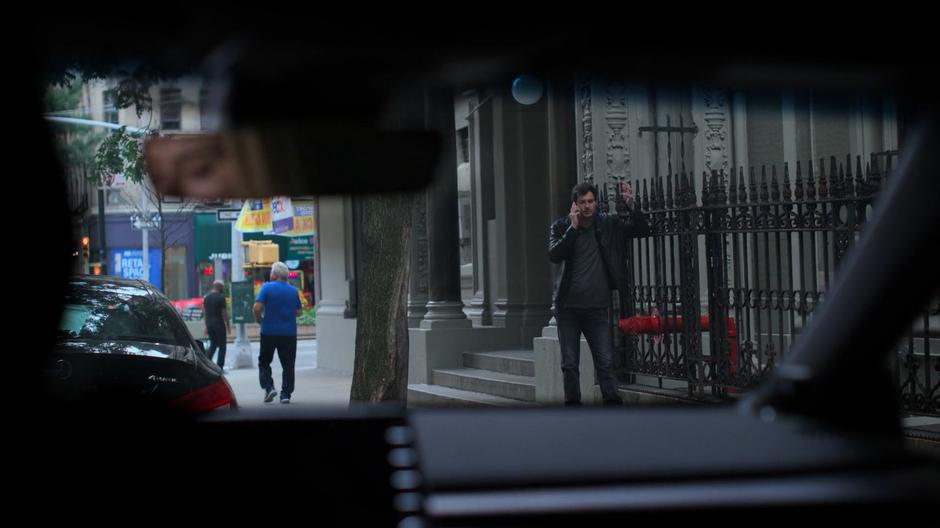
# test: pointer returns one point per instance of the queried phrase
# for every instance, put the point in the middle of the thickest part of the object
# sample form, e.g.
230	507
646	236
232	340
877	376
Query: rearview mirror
249	162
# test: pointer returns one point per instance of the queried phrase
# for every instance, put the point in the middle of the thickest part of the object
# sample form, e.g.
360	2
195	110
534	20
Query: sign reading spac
129	264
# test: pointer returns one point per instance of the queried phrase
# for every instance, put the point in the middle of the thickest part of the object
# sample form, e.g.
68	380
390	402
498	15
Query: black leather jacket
613	232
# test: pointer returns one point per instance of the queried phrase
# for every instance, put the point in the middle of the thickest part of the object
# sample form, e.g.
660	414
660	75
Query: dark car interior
791	449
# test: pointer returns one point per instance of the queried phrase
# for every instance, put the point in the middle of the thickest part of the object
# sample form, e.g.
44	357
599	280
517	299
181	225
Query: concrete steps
421	395
516	362
487	382
499	378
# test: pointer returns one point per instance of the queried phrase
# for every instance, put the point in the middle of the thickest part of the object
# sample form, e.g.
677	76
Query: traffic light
85	249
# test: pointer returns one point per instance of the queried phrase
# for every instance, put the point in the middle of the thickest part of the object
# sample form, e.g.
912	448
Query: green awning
212	238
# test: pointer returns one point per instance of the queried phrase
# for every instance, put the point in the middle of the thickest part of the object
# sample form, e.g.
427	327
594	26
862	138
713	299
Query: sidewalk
923	434
327	389
312	386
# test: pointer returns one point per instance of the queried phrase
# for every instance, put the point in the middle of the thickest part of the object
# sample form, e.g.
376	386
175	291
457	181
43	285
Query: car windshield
721	214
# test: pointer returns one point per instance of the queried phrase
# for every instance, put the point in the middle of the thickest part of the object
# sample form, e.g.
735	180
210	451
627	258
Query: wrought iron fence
735	266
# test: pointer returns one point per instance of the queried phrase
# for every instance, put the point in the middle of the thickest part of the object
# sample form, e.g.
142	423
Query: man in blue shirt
276	308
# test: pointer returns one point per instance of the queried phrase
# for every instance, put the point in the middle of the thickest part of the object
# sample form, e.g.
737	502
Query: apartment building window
463	137
171	105
110	106
176	275
113	197
203	107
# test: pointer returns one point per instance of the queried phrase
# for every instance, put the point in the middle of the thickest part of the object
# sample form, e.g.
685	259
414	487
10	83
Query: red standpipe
656	325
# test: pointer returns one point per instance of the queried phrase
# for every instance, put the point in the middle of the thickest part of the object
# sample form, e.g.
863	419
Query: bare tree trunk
381	364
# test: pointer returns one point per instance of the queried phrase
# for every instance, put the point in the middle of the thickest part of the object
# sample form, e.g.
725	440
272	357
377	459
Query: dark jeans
286	347
572	322
217	341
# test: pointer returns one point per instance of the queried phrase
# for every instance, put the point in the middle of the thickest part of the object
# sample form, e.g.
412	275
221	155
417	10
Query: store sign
255	217
129	264
282	214
300	248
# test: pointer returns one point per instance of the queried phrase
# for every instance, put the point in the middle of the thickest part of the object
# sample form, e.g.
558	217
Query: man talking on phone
591	248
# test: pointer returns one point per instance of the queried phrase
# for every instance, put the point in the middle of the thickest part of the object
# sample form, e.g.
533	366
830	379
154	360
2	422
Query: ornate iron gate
759	248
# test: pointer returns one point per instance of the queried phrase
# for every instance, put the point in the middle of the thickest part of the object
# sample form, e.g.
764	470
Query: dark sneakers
269	397
285	398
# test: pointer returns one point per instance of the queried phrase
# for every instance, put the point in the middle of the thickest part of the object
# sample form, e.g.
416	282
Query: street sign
227	215
118	181
112	182
138	221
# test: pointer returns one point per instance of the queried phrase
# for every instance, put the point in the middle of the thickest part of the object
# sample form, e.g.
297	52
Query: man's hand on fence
629	197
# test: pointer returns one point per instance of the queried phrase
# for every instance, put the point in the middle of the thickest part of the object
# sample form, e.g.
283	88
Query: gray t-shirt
590	287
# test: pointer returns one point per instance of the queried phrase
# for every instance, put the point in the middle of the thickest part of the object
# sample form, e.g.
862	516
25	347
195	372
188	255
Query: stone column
336	334
418	290
481	189
522	197
444	307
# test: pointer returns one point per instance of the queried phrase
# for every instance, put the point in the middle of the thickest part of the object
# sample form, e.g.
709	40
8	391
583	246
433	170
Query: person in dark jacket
591	248
217	325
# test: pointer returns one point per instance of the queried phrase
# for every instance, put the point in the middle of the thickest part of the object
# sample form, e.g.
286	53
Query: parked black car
121	342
